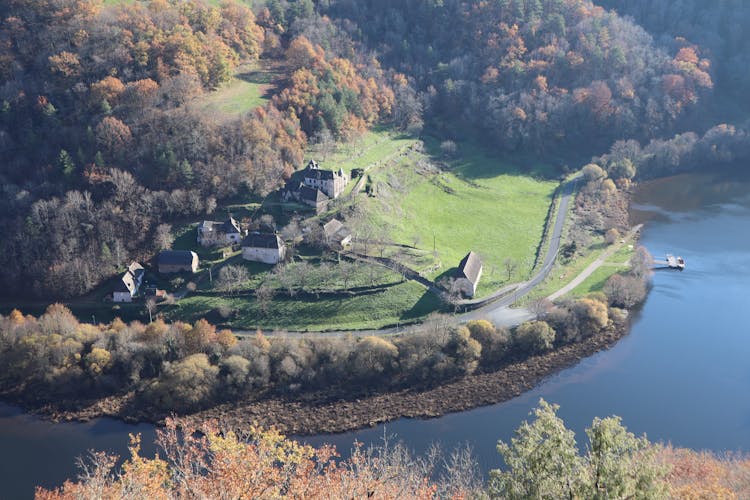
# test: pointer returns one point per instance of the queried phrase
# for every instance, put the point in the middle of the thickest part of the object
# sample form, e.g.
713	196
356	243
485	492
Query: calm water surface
682	375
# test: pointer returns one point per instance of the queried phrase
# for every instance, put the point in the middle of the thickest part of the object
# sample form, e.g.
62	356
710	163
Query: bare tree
151	308
286	276
232	278
453	291
292	231
540	307
163	236
264	296
347	270
641	263
510	266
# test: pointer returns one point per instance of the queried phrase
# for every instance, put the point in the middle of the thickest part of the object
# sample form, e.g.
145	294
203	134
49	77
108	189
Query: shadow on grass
475	161
267	80
426	304
445	275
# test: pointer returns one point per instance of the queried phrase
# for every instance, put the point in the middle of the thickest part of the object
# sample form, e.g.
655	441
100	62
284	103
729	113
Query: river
682	375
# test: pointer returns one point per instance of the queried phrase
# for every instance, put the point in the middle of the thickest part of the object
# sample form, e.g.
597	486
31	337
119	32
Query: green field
477	202
398	304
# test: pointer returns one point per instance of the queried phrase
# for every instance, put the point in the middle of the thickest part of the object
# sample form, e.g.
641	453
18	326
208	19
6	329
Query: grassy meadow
474	202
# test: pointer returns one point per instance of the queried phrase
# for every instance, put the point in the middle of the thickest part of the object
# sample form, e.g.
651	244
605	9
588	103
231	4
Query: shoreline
315	413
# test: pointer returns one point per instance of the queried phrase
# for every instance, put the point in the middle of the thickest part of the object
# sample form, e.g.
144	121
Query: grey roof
316	173
227	227
470	267
231	226
262	240
307	193
335	229
331	227
313	171
176	257
131	280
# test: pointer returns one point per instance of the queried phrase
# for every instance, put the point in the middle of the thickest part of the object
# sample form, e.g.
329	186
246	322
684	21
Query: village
321	230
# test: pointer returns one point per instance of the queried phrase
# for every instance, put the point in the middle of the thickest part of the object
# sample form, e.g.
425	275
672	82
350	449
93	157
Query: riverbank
318	413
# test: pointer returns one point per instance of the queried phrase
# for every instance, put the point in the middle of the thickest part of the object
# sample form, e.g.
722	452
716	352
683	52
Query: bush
495	342
185	385
534	337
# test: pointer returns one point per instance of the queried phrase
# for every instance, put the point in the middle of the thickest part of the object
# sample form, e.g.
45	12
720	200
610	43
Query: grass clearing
477	202
374	148
250	87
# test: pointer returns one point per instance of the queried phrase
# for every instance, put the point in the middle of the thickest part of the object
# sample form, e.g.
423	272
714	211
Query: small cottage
175	261
265	248
468	274
336	234
127	286
212	233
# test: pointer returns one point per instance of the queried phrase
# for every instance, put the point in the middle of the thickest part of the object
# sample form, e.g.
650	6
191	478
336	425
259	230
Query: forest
106	145
103	145
538	75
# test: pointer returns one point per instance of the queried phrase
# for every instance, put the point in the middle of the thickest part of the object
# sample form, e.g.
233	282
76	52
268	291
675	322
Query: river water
681	376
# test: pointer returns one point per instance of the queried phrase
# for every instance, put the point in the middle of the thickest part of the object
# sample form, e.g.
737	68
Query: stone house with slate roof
128	285
468	274
315	198
331	182
175	261
267	248
211	233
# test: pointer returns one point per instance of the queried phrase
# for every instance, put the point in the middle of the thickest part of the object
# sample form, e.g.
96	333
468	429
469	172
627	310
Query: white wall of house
331	187
265	255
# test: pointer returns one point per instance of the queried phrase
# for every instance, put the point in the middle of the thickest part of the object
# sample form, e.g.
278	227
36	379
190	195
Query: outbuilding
267	248
175	261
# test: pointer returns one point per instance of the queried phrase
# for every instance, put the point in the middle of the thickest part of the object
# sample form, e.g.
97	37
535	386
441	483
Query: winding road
499	312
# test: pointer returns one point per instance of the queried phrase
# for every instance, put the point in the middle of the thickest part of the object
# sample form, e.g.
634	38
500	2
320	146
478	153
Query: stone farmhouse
263	247
304	194
175	261
128	285
336	234
331	182
468	274
211	233
318	187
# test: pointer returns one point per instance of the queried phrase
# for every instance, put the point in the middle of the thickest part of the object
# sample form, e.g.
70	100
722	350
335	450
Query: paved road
499	312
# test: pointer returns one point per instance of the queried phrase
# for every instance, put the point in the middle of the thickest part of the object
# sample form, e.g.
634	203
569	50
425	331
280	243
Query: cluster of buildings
317	189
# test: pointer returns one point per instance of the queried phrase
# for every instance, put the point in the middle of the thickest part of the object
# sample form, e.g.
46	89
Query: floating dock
671	262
